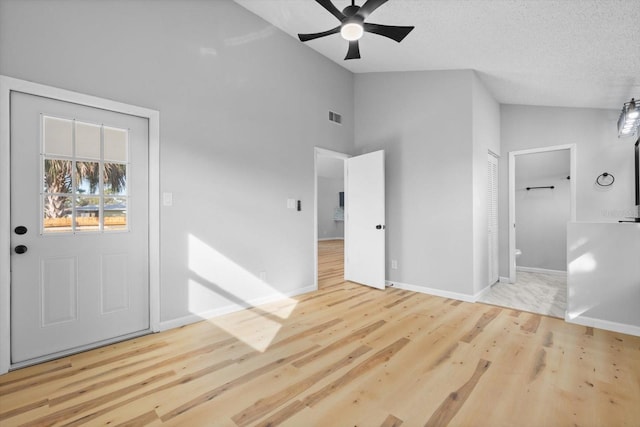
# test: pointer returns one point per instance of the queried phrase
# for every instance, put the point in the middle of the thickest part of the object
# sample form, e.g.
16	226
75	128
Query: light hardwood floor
345	355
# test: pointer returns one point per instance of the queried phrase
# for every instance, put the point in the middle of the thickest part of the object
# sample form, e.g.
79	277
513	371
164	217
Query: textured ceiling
573	53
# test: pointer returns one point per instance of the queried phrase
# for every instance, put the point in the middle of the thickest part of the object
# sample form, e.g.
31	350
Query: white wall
542	214
424	122
241	107
598	150
603	279
328	201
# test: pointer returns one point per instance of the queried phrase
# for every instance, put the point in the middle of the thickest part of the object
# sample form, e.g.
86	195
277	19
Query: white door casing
365	220
60	265
493	218
512	191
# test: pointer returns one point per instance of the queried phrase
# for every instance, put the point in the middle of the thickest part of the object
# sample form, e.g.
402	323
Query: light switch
167	199
291	203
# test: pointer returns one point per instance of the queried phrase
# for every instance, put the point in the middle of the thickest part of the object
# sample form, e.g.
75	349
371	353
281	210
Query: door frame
10	84
496	188
322	152
512	194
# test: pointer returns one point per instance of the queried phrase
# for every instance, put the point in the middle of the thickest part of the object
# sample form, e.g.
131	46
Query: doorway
513	160
541	202
329	215
363	213
67	281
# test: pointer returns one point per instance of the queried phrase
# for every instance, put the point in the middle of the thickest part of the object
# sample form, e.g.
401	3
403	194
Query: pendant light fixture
629	119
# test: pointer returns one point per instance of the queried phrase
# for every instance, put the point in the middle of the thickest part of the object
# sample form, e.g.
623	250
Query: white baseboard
330	238
479	294
504	280
605	324
208	314
431	291
542	270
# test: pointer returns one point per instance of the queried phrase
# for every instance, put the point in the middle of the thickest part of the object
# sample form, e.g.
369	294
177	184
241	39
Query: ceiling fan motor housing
350	10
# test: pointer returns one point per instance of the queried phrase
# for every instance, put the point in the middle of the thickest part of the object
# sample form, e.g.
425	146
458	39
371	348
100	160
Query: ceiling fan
352	25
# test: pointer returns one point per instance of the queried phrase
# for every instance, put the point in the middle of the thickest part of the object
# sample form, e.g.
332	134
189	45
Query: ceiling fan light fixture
353	26
352	31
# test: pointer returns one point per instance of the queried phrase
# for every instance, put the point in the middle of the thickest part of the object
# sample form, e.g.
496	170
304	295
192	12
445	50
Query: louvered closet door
493	218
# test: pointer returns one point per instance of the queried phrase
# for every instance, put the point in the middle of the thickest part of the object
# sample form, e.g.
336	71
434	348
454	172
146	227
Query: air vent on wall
335	117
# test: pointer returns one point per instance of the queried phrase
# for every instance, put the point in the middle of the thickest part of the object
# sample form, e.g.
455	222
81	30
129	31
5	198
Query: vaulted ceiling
573	53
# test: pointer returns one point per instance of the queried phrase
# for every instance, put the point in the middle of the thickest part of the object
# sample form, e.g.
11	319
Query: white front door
365	220
79	227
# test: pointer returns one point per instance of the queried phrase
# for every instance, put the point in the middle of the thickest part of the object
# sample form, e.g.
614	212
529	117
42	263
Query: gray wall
241	107
328	201
542	214
598	150
423	120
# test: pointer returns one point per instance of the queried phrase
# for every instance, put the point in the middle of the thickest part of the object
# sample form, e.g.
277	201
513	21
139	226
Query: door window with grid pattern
84	175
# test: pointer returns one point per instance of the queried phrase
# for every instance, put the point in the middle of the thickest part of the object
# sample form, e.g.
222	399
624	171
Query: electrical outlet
263	276
394	264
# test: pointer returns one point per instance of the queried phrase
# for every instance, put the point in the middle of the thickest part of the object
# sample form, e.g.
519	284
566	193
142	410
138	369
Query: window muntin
85	177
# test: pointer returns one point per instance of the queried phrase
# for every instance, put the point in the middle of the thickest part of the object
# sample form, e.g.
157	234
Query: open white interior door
365	220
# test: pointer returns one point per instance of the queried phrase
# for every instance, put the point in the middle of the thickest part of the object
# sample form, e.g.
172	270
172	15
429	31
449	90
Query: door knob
21	229
379	227
20	249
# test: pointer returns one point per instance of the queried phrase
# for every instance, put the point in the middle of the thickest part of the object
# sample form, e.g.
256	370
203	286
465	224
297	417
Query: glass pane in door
87	213
56	213
58	136
115	213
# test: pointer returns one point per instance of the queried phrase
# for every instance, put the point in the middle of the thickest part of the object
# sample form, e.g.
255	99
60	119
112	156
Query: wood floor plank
343	355
266	405
486	318
450	407
235	383
354	336
66	413
391	421
380	357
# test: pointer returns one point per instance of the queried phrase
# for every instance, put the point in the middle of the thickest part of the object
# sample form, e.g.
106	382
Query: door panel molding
8	85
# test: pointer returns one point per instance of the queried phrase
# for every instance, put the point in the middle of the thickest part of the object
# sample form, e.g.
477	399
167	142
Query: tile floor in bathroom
533	292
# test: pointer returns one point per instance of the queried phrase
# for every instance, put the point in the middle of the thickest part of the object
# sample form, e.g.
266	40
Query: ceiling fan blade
369	6
391	31
332	9
354	50
307	37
